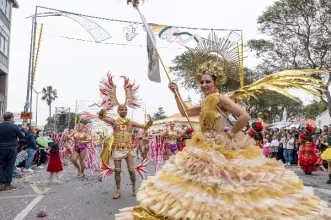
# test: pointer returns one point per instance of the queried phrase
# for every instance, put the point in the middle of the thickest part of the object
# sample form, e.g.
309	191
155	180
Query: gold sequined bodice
172	137
79	136
210	116
122	134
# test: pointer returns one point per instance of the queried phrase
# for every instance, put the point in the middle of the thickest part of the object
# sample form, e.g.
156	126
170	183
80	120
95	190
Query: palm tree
49	95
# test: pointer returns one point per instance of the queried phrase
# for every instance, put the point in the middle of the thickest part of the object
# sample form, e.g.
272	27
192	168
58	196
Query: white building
5	24
323	119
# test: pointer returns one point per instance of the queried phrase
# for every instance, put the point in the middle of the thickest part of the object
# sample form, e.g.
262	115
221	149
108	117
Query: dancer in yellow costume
223	175
119	145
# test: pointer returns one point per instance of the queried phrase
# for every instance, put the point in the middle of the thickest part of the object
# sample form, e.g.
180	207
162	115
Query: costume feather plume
88	116
281	81
141	168
131	90
105	171
108	92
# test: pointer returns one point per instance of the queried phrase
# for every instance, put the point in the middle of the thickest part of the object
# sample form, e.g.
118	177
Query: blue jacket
31	142
9	133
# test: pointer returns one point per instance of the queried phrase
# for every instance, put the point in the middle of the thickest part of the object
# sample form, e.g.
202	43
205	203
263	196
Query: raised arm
194	111
103	117
145	126
228	105
70	135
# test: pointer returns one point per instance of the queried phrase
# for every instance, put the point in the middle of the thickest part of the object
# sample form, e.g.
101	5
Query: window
8	9
2	44
6	49
3	6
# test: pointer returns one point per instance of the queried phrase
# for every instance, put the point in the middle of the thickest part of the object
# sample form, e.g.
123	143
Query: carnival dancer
256	132
144	145
80	139
120	146
307	155
223	175
171	140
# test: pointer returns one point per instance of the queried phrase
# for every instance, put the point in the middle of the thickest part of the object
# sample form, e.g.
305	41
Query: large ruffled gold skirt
221	178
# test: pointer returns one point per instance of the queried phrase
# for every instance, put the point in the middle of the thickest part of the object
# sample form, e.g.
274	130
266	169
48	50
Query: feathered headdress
307	133
309	129
108	93
257	126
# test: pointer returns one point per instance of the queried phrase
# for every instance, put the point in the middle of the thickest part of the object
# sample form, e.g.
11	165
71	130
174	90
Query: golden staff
240	50
37	55
135	5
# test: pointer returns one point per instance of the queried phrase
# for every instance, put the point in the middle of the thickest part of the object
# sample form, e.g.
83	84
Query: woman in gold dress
223	175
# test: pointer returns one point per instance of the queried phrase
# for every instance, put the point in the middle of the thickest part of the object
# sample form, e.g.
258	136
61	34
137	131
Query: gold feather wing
280	82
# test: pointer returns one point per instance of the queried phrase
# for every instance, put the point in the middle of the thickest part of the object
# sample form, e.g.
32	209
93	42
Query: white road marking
34	202
26	211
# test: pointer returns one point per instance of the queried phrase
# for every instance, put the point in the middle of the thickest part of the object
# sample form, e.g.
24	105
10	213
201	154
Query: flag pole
163	65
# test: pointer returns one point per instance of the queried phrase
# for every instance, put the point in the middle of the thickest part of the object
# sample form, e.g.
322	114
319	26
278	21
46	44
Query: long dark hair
54	148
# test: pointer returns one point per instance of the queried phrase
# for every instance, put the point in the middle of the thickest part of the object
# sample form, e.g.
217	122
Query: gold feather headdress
108	93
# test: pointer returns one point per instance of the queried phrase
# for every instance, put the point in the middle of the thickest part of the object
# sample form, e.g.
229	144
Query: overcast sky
74	68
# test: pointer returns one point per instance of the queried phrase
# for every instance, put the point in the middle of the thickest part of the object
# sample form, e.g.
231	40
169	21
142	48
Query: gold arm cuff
148	125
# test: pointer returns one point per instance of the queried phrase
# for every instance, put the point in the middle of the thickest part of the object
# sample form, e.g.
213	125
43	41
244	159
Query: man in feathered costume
256	133
307	155
119	146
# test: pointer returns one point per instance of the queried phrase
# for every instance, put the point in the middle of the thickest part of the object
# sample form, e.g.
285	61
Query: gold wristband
147	125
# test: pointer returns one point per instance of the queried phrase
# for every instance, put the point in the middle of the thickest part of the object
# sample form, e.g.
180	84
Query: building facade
6	7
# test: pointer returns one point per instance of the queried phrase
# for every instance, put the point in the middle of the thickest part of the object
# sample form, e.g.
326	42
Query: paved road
87	199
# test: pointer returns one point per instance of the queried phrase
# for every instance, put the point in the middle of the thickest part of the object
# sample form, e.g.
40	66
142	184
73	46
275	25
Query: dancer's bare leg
118	165
143	153
169	153
74	158
82	156
130	164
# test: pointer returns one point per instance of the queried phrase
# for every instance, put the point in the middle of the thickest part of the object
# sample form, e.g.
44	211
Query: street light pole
28	103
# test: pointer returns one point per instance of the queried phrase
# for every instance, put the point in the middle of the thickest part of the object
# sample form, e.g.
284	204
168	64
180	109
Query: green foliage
159	115
270	107
49	95
299	37
314	109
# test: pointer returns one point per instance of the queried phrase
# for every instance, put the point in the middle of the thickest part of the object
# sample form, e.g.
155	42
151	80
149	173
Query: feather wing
108	92
281	81
131	93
